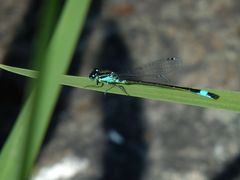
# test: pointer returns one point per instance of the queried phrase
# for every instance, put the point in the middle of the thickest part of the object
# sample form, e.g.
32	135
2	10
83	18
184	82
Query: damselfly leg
119	86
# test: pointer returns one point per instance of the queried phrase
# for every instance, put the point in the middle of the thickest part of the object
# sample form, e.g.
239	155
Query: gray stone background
117	137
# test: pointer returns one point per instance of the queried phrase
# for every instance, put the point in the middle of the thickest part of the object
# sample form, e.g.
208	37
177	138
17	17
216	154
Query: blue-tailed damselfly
163	65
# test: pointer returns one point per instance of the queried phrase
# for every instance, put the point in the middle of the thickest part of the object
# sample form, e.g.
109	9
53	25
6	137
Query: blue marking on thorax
108	79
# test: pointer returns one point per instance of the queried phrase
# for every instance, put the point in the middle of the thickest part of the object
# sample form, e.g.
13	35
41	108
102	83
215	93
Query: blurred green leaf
21	149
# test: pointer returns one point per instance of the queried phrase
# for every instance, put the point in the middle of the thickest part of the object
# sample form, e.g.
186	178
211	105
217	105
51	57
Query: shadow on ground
126	148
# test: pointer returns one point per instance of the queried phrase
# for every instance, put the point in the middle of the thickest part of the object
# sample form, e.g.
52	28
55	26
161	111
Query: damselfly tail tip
205	93
213	96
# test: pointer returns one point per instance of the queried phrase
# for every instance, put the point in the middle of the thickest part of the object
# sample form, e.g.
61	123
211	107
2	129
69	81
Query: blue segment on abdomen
204	93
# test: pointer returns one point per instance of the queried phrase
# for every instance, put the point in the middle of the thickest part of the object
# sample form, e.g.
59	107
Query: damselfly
158	67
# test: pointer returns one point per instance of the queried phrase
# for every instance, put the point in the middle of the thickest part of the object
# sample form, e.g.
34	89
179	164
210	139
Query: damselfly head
94	74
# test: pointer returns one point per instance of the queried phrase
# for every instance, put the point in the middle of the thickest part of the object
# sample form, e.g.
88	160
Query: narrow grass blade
229	100
22	147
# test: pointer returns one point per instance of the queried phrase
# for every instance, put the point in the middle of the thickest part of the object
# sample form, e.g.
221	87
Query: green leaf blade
229	100
22	146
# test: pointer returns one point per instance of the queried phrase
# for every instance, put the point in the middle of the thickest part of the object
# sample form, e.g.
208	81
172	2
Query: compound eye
92	76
